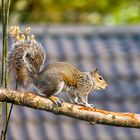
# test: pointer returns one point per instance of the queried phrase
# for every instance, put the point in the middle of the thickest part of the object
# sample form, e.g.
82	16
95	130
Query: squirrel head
99	82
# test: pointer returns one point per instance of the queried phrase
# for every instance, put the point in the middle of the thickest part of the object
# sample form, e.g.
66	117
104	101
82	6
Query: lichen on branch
95	116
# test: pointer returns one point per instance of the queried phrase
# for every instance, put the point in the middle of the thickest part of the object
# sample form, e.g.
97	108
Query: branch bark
94	116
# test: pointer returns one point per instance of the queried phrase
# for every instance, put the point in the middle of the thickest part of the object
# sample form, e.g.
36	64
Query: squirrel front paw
86	104
90	105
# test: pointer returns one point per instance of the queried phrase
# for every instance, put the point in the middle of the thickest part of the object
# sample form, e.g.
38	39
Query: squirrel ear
94	71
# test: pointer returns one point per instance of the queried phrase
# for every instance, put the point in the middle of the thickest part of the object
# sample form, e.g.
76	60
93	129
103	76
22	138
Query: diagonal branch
75	111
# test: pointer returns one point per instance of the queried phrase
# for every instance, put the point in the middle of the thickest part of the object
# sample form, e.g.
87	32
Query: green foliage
98	12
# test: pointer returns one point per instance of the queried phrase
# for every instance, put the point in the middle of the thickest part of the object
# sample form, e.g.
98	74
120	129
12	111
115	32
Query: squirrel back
66	71
71	77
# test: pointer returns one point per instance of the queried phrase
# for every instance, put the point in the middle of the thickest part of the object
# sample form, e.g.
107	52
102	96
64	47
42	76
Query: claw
87	105
90	105
57	102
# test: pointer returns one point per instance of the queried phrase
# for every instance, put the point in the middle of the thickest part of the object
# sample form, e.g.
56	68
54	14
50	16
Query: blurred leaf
98	12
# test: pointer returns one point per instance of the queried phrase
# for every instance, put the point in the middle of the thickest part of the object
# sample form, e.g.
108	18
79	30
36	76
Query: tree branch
75	111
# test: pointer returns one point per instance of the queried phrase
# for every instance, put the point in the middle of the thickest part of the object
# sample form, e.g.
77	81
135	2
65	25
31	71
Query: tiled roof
116	54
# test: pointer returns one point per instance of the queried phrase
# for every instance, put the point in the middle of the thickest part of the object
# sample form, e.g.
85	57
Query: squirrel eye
100	78
28	55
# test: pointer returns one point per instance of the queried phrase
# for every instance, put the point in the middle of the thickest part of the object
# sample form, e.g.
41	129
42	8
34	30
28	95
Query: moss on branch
94	116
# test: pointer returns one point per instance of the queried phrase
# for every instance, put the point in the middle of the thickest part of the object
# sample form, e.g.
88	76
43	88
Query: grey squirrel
25	61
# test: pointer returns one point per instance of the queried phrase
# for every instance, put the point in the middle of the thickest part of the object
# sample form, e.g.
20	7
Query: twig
3	42
4	79
6	41
75	111
7	122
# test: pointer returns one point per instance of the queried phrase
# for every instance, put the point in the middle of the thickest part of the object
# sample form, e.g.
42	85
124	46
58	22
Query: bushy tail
25	57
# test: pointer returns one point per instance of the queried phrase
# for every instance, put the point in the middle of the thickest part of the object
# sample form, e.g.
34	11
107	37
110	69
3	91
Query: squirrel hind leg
57	102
